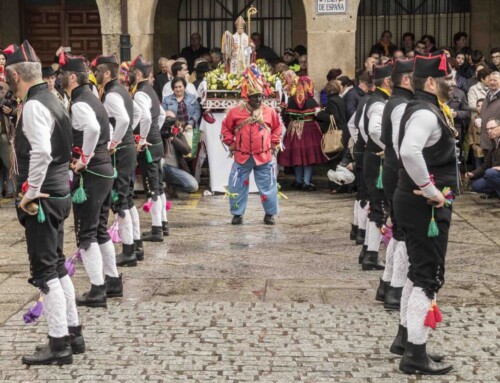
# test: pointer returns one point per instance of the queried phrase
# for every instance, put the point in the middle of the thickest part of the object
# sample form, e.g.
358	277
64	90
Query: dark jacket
335	106
351	101
490	109
458	102
491	160
181	148
379	48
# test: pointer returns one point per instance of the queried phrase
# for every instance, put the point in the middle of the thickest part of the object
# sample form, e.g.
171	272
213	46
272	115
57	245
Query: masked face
11	80
99	74
444	88
255	100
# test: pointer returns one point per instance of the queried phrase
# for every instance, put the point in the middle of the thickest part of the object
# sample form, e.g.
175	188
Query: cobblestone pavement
287	303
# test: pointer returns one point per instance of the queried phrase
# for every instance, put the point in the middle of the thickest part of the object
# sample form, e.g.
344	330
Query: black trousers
126	162
362	191
427	255
151	173
390	180
45	240
91	216
377	197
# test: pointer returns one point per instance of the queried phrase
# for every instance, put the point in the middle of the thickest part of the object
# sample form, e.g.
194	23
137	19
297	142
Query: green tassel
79	195
433	230
114	196
380	184
149	157
41	214
115	173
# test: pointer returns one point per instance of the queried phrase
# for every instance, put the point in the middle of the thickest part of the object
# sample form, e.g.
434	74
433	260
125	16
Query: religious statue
237	49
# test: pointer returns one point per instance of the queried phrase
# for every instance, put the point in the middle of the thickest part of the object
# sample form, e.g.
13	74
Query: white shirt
374	115
362	124
145	103
38	125
352	128
167	90
421	131
84	119
115	107
397	114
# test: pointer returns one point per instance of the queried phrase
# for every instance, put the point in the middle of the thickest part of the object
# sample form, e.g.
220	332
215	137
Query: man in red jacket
252	131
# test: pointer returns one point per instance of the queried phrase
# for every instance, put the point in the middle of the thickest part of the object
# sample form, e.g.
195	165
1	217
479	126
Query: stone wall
485	25
10	30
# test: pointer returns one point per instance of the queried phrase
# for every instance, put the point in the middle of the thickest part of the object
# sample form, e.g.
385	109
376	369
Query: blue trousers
489	184
265	179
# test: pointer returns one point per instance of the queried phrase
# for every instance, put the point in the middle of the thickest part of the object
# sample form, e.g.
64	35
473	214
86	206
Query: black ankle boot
237	220
392	299
96	297
59	352
398	345
114	286
370	261
155	235
354	232
382	290
362	254
127	256
269	219
164	226
360	236
77	342
416	361
139	249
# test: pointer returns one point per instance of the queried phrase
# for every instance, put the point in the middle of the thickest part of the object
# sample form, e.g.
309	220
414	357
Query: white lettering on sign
326	7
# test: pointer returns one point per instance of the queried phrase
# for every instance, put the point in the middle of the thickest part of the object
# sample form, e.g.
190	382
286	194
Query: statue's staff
251	12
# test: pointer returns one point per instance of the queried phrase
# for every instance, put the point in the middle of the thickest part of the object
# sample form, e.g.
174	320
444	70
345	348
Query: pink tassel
35	312
147	206
113	232
386	235
78	256
168	205
70	266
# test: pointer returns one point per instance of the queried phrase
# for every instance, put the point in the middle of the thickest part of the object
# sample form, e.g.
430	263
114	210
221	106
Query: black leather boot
382	290
77	342
362	254
96	297
114	286
370	261
164	226
416	361
139	249
59	352
360	236
398	345
237	220
269	219
127	256
354	232
392	299
155	235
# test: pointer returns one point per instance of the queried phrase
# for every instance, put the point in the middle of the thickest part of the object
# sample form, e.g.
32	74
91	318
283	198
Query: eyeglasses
493	127
495	57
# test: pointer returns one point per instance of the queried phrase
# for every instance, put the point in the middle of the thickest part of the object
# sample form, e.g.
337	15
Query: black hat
202	67
431	66
403	66
48	71
111	59
140	64
289	51
71	63
382	71
24	53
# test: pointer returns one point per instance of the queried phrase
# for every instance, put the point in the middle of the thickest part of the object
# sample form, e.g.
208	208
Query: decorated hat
403	66
252	82
382	71
71	63
140	64
431	66
240	22
202	67
100	59
48	71
24	53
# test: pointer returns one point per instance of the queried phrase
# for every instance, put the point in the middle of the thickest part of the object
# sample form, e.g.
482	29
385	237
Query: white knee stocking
389	260
92	261
374	238
125	228
418	306
363	216
136	224
400	271
356	208
54	307
405	296
69	295
156	212
164	207
109	259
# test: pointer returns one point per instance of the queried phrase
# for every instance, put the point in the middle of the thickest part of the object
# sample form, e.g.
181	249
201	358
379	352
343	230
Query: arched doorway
278	21
439	18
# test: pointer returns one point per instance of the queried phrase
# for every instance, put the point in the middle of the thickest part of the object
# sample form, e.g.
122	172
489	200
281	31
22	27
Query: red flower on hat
9	50
94	63
62	59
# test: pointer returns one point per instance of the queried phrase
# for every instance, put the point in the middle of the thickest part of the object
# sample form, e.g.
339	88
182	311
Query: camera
8	100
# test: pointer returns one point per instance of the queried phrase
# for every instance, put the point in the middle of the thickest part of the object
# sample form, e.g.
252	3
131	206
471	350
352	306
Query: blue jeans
265	178
488	184
178	177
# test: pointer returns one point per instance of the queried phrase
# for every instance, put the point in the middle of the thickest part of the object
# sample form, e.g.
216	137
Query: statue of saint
242	48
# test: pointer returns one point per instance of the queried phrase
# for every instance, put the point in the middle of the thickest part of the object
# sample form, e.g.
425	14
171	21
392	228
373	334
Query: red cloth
304	150
252	139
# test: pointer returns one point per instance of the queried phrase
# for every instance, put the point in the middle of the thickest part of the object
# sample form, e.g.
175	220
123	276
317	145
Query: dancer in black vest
123	115
372	163
150	146
43	152
396	257
92	183
427	152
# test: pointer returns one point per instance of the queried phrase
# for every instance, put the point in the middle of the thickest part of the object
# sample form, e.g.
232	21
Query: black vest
377	96
360	145
84	94
56	179
440	158
114	87
154	136
399	96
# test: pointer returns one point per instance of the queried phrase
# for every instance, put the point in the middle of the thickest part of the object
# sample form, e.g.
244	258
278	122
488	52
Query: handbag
208	117
331	143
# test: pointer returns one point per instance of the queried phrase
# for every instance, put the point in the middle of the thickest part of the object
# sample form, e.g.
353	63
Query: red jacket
252	137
